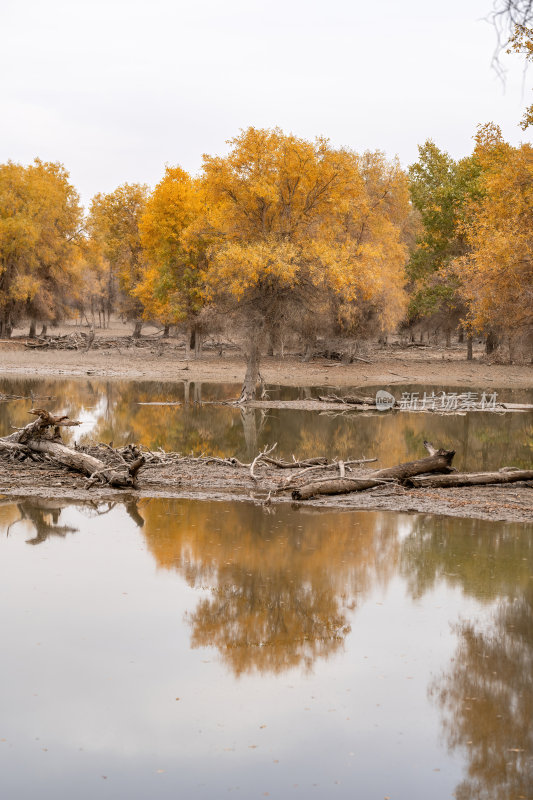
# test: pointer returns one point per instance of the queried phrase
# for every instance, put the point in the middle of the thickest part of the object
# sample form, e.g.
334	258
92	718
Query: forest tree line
283	236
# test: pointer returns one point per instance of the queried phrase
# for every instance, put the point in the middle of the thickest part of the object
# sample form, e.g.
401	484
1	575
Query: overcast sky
116	89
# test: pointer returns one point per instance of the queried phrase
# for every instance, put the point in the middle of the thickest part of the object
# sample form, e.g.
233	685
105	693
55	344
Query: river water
177	648
116	411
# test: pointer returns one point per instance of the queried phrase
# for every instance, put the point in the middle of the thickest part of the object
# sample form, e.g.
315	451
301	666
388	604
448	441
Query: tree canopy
297	228
40	222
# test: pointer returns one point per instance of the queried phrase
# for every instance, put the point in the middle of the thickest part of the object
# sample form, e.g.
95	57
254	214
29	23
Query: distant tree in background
97	297
379	226
440	189
40	233
113	226
496	271
172	282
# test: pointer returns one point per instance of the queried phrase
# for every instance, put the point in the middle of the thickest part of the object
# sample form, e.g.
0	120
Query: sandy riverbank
153	361
205	479
165	362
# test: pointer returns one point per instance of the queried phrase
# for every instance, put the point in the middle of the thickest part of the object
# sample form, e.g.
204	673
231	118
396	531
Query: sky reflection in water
112	411
314	654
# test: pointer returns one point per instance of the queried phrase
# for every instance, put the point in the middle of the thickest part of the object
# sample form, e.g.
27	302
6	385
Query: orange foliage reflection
281	585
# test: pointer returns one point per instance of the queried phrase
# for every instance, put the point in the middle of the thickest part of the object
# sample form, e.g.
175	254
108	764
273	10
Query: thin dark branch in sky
505	16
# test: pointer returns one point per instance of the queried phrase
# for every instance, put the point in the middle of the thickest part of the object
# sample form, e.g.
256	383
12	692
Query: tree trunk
90	340
33	326
44	330
461	336
137	329
309	350
512	348
469	348
439	461
491	343
471	479
166	331
252	373
448	338
198	342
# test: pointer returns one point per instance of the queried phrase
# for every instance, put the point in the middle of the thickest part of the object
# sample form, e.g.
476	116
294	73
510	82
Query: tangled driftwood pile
135	467
43	438
79	340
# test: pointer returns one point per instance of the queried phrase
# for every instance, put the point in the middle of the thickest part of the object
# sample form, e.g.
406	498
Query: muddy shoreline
200	481
390	366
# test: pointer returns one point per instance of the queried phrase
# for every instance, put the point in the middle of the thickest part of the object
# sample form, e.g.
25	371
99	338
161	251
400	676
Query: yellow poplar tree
40	229
497	273
113	225
294	226
171	287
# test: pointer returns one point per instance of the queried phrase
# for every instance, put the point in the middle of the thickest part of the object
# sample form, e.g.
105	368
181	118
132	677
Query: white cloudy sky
115	89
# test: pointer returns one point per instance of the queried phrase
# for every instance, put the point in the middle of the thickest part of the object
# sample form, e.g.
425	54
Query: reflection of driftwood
350	400
437	461
44	514
471	479
43	436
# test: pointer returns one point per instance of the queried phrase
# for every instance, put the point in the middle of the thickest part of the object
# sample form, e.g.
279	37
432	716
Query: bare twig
267	450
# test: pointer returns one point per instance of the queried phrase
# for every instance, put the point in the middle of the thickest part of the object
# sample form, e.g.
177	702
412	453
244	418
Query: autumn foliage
497	270
282	237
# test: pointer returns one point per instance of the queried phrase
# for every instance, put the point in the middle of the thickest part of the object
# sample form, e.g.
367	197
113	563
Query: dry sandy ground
164	361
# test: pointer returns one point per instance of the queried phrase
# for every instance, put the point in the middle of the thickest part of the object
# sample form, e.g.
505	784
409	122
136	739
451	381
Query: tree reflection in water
117	411
487	701
281	585
486	695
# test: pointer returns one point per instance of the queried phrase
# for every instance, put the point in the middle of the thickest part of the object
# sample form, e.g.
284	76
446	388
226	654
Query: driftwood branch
440	461
44	436
470	479
262	455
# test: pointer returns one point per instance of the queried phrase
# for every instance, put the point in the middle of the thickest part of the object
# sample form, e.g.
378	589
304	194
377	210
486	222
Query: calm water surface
174	649
180	649
114	411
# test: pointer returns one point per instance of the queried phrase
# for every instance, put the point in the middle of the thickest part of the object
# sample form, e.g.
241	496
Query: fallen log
89	465
438	461
470	479
43	436
307	462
